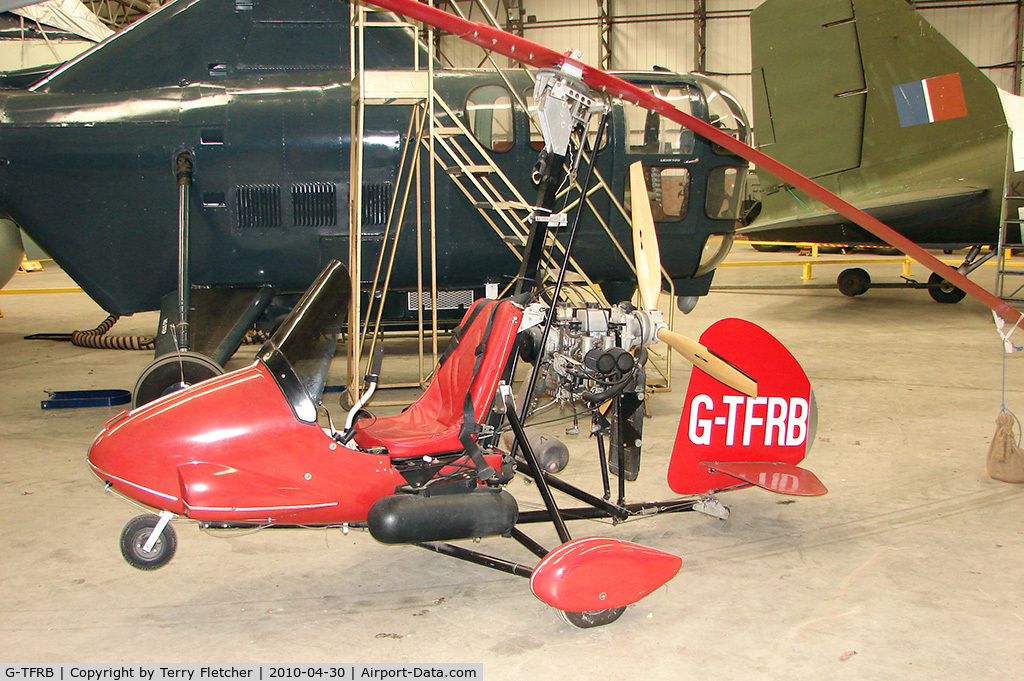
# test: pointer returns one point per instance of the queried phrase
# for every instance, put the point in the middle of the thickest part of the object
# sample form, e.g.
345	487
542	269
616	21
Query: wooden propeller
648	274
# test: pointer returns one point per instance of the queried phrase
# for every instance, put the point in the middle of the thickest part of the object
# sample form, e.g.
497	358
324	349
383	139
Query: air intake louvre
259	206
376	202
314	205
446	300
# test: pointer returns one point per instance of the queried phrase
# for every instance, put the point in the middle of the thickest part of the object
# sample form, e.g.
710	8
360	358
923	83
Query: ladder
1010	280
450	147
497	200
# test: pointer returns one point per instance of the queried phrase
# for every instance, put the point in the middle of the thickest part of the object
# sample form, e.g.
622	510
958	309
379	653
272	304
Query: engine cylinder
412	518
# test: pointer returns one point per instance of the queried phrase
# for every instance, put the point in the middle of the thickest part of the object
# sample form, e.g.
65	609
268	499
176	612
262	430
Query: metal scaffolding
438	139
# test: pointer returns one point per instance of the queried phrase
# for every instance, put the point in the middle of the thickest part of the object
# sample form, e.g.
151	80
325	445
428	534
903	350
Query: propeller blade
645	240
709	363
648	276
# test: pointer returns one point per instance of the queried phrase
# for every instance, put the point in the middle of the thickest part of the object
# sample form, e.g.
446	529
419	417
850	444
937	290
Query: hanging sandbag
1005	458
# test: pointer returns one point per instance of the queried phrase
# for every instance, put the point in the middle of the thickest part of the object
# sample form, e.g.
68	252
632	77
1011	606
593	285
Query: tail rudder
870	100
727	439
834	79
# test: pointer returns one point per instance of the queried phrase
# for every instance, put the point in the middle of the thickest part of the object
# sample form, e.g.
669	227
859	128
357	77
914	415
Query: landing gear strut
169	373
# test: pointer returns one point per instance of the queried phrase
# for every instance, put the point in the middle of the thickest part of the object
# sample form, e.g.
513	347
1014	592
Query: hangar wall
649	32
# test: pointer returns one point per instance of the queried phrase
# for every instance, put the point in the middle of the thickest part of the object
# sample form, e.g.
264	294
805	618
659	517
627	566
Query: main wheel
942	291
173	372
592	618
133	541
853	281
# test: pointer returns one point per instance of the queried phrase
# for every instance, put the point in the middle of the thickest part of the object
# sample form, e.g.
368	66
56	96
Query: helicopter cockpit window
489	117
725	186
724	111
537	138
669	193
652	133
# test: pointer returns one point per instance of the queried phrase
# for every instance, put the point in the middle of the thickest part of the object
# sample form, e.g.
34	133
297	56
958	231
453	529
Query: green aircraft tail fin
842	84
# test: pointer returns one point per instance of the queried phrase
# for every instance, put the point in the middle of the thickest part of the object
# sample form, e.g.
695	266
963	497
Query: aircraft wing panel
885	208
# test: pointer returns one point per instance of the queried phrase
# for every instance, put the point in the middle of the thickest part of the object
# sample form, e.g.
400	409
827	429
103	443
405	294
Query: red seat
431	425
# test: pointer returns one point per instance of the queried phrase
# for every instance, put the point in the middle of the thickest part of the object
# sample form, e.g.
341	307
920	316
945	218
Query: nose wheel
148	542
592	618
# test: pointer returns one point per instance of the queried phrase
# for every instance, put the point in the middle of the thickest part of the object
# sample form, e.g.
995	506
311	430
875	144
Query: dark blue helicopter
249	104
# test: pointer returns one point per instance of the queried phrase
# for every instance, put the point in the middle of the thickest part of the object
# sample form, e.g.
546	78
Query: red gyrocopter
255	447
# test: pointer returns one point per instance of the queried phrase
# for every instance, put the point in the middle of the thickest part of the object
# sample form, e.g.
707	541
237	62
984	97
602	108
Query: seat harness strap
474	310
469	425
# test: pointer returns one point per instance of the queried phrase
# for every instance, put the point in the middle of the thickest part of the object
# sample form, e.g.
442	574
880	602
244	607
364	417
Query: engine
592	353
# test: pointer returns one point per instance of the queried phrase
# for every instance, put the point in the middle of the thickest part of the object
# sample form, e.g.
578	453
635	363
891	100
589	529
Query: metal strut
507	401
154	537
478	558
564	108
184	166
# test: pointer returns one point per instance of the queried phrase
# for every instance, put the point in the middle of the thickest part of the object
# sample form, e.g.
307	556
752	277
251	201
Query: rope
1004	409
1008	347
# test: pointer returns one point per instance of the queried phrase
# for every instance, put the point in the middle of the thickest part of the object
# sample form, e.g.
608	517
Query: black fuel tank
410	518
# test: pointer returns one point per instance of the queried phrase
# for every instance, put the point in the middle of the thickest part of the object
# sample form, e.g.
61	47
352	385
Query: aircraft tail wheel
135	537
853	281
592	618
173	372
942	291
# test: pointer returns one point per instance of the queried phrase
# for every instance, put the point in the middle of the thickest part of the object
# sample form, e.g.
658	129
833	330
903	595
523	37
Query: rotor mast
564	109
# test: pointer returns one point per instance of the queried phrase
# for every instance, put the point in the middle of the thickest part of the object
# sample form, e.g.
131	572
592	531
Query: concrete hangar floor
909	568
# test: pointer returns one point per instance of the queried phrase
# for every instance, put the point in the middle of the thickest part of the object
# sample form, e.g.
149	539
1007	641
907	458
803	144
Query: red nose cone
230	449
140	452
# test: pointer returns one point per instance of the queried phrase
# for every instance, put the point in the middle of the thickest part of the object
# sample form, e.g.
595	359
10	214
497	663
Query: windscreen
724	110
306	340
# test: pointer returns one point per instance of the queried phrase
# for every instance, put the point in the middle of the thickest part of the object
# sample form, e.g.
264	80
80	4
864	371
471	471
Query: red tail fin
720	425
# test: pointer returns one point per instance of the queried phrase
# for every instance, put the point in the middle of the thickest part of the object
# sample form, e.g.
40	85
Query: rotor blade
645	240
709	363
